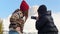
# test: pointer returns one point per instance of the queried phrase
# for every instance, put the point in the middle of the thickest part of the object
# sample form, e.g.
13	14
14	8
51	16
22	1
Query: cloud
33	10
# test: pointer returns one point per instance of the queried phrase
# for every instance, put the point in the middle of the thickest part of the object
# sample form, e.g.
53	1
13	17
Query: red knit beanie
24	6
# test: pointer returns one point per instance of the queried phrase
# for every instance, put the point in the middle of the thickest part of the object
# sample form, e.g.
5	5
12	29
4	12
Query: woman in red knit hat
24	7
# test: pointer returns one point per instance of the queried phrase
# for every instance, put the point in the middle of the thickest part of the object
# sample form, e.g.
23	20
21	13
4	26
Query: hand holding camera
34	17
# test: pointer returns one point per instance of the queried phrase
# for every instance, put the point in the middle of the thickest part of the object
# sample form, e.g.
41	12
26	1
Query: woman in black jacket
45	23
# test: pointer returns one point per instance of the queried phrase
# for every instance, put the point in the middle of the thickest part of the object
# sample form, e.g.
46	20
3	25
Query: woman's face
20	13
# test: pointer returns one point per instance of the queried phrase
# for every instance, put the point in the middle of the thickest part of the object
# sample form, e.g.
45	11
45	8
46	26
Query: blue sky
7	7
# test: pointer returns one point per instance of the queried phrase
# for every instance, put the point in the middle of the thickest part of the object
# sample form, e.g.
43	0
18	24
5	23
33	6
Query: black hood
42	9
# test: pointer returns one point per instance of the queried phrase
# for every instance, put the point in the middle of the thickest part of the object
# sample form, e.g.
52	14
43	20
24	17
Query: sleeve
40	23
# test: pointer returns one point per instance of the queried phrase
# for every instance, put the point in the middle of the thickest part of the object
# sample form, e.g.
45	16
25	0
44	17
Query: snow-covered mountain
30	23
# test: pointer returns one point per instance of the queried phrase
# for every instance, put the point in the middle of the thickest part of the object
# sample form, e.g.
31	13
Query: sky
7	7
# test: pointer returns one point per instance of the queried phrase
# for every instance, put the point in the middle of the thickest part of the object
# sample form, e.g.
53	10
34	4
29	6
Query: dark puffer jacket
45	23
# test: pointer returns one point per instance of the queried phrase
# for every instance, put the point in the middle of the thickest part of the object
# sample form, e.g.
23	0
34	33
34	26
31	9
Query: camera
33	17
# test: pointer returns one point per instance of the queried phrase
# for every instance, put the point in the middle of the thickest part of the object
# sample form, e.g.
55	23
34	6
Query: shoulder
49	18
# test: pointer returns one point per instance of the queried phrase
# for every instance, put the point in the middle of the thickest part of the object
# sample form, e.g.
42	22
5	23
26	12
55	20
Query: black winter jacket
46	23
